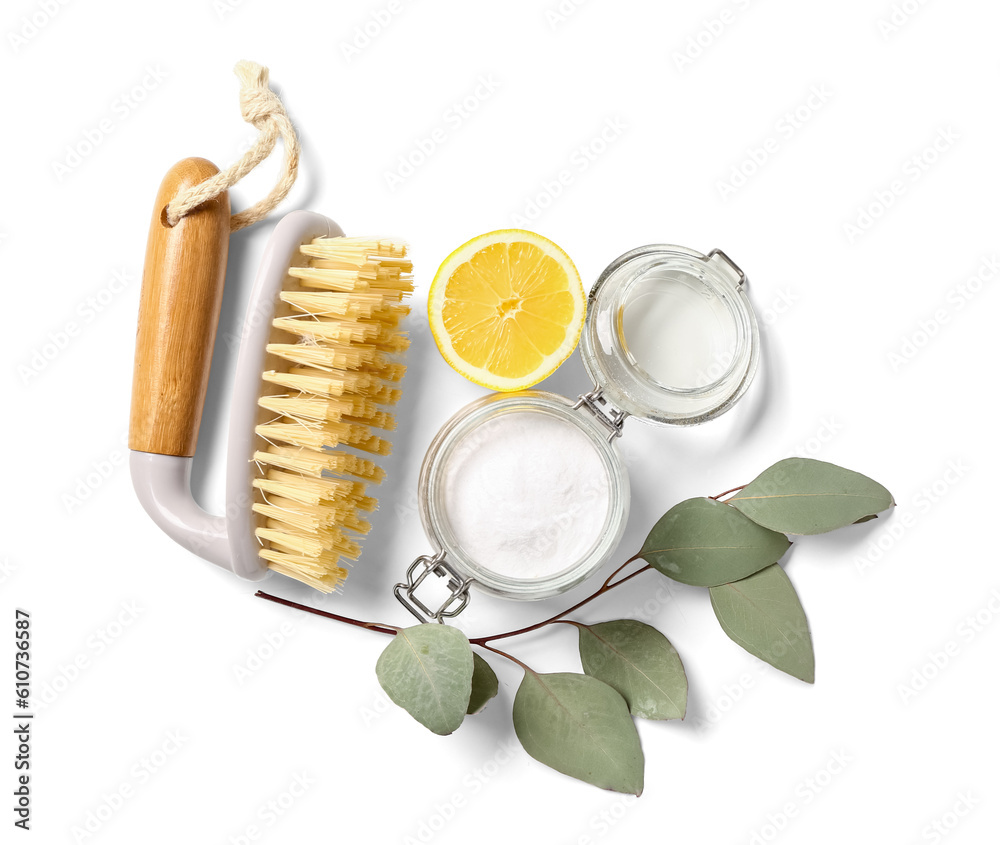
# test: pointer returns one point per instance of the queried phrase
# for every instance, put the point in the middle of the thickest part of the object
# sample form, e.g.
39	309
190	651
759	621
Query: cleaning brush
316	375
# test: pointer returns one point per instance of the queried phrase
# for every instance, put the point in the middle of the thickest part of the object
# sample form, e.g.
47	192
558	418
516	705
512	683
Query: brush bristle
336	338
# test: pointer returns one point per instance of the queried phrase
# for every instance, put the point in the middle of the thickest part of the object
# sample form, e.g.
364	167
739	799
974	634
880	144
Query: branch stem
369	626
734	490
608	585
510	657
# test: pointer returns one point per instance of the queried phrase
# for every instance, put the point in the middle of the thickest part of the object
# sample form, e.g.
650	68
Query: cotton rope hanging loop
260	107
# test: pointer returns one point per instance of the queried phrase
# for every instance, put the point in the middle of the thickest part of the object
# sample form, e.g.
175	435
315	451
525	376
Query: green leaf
581	727
639	662
804	496
427	670
484	685
762	613
706	543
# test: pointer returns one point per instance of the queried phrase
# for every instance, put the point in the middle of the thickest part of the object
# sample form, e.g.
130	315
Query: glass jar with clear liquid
670	338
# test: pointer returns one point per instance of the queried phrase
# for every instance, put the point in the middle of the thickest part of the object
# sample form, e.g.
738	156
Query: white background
839	381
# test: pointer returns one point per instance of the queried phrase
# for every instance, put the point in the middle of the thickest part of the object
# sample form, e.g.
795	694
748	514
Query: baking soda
526	495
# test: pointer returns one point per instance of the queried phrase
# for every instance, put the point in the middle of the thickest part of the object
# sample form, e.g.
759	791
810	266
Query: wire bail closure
451	606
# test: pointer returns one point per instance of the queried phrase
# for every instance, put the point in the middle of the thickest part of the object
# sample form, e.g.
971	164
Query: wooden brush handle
182	283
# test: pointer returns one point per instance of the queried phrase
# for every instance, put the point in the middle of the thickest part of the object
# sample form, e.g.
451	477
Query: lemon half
507	308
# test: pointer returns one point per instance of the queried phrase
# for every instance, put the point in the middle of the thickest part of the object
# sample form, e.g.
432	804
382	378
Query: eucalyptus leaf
427	670
484	685
805	496
581	727
639	662
763	614
706	543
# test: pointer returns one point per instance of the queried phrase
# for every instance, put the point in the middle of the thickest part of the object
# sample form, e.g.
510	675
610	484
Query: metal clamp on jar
670	338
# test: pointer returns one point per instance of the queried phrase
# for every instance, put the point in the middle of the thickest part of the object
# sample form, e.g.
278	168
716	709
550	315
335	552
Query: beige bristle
319	408
386	395
298	517
333	331
314	462
298	434
324	383
390	372
390	314
378	419
313	545
357	252
327	434
324	577
303	517
311	490
330	278
329	304
326	356
344	309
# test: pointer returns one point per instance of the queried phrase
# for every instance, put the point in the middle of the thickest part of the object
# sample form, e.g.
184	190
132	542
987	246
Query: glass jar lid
670	335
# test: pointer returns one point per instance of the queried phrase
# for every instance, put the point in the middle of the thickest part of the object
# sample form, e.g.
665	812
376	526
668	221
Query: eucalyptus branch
734	490
583	724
